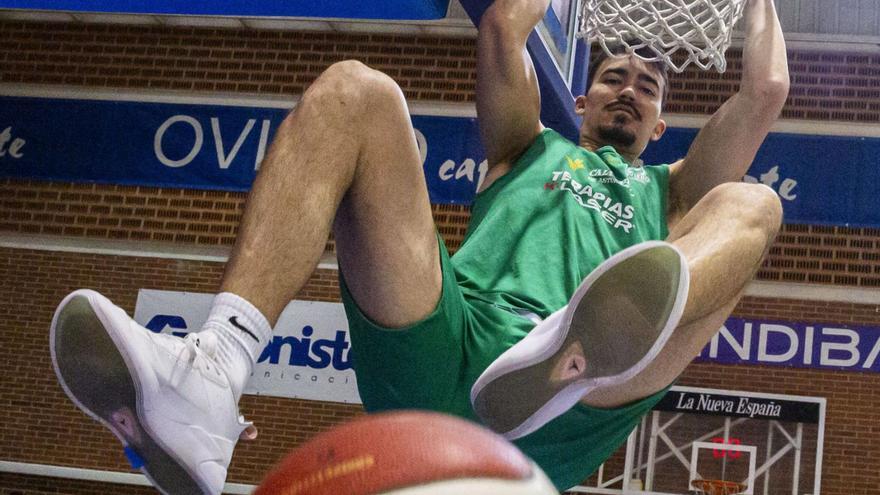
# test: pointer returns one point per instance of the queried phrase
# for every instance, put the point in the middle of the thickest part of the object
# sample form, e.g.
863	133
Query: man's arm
508	101
725	147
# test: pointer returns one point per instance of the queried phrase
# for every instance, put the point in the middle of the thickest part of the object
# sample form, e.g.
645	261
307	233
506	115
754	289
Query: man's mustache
626	107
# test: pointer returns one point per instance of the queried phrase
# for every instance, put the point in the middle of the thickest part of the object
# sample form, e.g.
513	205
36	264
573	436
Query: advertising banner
310	355
820	179
797	345
191	145
681	400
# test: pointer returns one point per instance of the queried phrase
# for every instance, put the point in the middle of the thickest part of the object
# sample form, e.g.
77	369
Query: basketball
406	453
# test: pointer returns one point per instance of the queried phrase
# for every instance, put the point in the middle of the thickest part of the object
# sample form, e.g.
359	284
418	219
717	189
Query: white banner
308	357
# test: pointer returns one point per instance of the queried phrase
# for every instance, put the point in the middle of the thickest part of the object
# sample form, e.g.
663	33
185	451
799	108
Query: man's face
622	107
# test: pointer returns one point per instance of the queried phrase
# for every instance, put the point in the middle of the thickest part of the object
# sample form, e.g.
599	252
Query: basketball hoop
702	29
718	487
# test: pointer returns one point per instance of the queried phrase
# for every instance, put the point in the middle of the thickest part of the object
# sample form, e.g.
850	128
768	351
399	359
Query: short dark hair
620	49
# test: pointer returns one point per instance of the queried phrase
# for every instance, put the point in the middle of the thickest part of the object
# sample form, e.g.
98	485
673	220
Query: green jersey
535	234
539	230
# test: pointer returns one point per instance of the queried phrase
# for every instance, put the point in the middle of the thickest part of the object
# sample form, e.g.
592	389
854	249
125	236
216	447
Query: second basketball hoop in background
718	487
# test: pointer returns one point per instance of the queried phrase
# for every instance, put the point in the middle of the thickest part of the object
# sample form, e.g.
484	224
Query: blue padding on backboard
361	9
581	68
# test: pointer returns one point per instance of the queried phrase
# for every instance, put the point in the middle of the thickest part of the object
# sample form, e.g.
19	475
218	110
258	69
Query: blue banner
820	179
363	9
796	345
192	145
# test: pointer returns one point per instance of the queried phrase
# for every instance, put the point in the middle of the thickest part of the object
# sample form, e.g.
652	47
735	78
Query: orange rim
718	487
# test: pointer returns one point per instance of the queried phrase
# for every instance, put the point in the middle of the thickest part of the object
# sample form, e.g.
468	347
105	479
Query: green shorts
433	363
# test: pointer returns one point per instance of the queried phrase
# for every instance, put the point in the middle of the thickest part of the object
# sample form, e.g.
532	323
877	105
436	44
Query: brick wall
45	419
205	218
17	484
802	253
222	60
825	86
835	86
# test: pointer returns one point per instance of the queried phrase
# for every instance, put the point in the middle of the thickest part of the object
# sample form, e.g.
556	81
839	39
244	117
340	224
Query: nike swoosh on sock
234	321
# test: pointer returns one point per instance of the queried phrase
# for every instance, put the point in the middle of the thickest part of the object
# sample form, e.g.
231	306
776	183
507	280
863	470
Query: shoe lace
202	346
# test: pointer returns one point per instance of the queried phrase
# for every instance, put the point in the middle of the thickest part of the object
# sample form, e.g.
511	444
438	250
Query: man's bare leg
349	147
347	153
724	238
347	159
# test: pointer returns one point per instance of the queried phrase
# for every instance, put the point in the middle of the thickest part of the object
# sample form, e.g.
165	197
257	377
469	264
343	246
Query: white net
700	28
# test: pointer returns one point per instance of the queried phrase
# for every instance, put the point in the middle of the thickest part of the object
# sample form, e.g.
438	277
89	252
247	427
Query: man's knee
755	205
345	101
350	87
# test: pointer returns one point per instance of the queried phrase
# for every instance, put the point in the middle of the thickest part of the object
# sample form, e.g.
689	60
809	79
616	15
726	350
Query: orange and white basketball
407	453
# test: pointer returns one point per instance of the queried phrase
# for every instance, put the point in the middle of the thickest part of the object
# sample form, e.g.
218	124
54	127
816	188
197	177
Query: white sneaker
162	396
616	323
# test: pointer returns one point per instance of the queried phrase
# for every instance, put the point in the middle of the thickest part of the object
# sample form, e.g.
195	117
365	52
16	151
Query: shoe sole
95	375
513	396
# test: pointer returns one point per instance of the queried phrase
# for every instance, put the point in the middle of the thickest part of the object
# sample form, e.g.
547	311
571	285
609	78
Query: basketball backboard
769	443
557	32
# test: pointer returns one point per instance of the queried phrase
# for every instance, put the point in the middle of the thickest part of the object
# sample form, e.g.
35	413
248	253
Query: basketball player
618	274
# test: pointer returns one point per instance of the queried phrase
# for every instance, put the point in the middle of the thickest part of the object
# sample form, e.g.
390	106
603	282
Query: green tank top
538	231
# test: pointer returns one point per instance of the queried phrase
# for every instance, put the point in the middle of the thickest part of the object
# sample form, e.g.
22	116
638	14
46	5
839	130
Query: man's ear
580	105
659	129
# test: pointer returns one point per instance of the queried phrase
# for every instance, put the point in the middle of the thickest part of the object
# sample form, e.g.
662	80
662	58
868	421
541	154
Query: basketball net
702	29
717	487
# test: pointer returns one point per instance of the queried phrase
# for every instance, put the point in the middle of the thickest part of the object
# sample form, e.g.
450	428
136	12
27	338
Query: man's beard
617	134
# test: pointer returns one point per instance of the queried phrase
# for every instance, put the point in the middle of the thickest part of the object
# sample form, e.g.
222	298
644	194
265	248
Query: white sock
242	332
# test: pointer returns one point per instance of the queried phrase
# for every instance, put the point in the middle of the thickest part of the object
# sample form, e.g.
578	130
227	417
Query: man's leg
173	403
346	159
724	239
348	153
